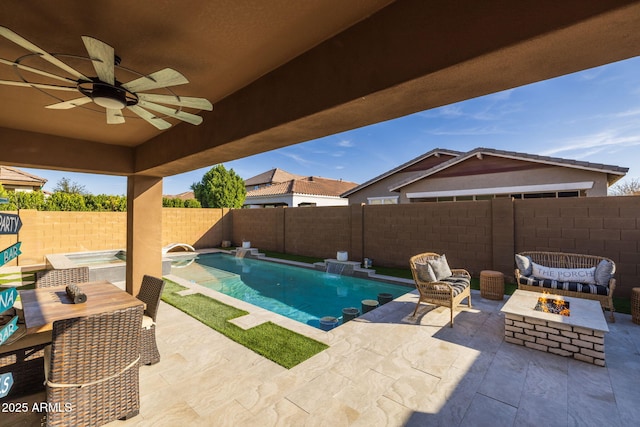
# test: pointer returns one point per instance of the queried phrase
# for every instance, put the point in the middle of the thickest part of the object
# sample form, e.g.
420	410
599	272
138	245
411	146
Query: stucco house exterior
276	188
13	179
485	173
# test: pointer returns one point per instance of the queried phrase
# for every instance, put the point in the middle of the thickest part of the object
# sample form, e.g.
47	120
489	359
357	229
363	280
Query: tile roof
187	195
13	175
617	172
311	185
273	176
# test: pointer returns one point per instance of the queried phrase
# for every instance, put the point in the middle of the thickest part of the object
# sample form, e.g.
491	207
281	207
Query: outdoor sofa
567	274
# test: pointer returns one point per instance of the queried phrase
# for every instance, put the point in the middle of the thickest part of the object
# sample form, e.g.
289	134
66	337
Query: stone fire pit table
579	335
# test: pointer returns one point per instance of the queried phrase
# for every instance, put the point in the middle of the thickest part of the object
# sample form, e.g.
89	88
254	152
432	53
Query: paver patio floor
387	369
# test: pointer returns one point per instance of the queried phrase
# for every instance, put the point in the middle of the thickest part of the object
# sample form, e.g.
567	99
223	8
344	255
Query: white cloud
298	159
588	145
345	143
473	131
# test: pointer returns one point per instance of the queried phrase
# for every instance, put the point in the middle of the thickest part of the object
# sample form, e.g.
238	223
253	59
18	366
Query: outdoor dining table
44	306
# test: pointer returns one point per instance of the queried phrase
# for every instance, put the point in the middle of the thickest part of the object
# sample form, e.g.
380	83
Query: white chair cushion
147	322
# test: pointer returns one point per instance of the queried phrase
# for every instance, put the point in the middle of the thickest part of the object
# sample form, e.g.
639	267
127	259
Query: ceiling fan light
109	97
109	102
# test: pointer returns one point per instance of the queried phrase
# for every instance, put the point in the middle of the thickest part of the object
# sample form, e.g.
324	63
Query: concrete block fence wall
475	235
44	232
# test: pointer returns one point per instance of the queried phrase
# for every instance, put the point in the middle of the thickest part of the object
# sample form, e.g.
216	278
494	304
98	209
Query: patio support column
144	230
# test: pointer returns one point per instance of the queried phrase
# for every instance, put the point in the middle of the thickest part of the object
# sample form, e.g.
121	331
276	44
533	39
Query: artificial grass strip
278	344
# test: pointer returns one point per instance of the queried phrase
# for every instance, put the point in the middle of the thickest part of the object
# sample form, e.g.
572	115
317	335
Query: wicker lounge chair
61	277
447	292
94	367
150	293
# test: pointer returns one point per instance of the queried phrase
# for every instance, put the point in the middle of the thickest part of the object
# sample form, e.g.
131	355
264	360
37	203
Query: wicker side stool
491	284
635	305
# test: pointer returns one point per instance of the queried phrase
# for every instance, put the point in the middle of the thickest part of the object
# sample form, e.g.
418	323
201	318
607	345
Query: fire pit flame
552	305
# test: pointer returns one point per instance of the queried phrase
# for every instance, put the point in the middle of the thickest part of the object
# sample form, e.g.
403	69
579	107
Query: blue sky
593	115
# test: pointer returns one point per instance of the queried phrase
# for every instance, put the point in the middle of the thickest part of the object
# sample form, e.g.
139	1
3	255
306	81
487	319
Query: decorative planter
246	245
349	313
342	256
328	322
368	305
384	298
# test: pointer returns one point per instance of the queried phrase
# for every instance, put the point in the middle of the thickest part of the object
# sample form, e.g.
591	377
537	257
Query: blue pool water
301	294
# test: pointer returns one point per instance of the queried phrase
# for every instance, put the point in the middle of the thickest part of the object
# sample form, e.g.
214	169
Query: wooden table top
44	306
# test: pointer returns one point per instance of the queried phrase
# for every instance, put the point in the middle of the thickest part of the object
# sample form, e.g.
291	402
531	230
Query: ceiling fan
105	90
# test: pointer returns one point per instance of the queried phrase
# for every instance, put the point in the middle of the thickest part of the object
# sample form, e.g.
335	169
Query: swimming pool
300	294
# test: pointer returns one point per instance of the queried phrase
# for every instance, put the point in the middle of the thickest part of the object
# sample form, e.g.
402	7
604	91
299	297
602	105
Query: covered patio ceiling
280	72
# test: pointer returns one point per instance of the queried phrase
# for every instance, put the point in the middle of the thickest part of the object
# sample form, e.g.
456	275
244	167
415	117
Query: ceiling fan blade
102	55
164	78
183	101
36	71
38	85
69	104
151	118
171	112
114	116
8	34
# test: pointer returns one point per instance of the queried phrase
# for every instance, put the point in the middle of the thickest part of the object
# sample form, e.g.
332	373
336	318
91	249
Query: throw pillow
604	272
440	267
524	264
579	275
425	272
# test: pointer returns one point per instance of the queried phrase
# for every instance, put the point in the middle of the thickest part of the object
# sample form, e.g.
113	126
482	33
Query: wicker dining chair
93	368
23	357
150	293
61	277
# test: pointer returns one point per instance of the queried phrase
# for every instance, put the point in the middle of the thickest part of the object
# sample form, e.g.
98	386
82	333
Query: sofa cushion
440	267
604	272
579	275
524	264
585	288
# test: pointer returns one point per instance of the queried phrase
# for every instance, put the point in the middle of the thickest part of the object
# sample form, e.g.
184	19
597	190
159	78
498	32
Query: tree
220	188
21	200
61	201
65	185
629	187
105	203
172	202
192	203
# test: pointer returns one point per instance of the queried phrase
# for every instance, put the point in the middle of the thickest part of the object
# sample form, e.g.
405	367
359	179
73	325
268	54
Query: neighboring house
377	191
295	192
270	177
485	173
13	179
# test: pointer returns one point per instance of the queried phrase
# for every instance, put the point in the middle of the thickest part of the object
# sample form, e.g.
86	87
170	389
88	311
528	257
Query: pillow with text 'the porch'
579	275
